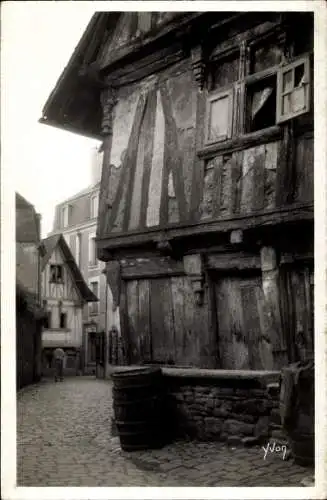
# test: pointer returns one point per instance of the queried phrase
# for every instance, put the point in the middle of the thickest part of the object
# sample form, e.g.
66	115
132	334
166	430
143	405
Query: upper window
94	206
256	91
265	56
293	88
78	249
56	273
92	251
219	116
260	104
66	213
224	72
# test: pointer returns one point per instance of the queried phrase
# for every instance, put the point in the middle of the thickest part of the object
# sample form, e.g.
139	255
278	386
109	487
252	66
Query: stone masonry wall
233	406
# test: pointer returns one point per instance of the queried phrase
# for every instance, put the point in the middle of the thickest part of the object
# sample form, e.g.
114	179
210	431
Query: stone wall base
235	407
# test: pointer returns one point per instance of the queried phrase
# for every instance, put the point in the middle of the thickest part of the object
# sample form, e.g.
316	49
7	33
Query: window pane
225	72
298	99
287	81
299	75
219	116
261	105
265	57
286	104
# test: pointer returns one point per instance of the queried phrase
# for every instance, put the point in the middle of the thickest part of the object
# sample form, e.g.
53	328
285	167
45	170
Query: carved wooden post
194	270
108	100
270	285
198	65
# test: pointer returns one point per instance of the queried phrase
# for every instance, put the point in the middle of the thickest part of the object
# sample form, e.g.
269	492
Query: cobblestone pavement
63	439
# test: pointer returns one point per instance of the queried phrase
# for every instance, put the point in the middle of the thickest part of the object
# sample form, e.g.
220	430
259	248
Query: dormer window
66	213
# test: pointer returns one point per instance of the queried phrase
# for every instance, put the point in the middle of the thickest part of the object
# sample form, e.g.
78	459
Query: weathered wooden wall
163	177
150	172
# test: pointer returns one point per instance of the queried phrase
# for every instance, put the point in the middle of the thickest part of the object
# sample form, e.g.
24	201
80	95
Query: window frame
65	315
213	96
56	279
94	262
280	93
94	306
78	247
238	124
94	213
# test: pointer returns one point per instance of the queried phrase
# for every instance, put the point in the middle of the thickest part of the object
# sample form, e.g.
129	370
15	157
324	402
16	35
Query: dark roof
27	224
49	245
74	103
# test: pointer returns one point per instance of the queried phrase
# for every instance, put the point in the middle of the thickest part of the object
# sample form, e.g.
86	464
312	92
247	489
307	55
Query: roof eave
69	128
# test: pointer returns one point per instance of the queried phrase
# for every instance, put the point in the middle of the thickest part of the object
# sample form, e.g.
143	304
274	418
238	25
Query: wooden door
162	324
242	324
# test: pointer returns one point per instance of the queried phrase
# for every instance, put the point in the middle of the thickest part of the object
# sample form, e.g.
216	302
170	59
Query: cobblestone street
63	439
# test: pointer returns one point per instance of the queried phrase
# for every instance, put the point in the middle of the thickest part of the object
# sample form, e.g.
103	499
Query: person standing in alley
58	358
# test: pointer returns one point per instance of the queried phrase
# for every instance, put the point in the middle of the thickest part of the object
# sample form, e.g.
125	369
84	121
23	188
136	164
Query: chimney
96	165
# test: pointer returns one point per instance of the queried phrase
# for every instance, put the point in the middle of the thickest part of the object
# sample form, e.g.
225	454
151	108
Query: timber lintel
176	232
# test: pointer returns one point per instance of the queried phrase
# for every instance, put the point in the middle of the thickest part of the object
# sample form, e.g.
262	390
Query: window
252	89
92	251
47	321
265	56
293	89
94	306
94	206
56	273
63	320
78	249
261	104
66	214
224	72
219	116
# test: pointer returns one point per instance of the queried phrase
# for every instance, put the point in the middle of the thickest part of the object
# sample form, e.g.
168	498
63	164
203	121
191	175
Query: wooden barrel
138	407
297	407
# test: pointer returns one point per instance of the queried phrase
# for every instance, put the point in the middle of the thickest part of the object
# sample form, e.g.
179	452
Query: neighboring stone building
206	200
64	293
29	313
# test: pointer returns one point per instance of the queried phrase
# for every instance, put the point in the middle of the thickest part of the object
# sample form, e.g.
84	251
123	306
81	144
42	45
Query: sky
47	165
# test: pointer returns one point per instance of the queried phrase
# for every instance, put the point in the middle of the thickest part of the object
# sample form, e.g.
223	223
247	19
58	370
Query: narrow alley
64	439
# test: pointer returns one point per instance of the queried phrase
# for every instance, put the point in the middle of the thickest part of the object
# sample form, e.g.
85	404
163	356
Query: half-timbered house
206	202
64	293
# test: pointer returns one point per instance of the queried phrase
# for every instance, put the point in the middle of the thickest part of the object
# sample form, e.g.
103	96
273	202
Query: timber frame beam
176	232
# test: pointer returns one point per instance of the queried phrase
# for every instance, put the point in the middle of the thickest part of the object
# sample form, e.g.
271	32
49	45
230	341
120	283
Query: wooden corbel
193	267
108	102
163	245
113	275
198	65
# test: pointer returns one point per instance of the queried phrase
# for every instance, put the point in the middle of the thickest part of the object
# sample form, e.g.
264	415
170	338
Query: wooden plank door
242	324
162	322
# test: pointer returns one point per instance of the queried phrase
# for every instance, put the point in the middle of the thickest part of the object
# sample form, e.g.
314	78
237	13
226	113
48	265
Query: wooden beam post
193	267
270	285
